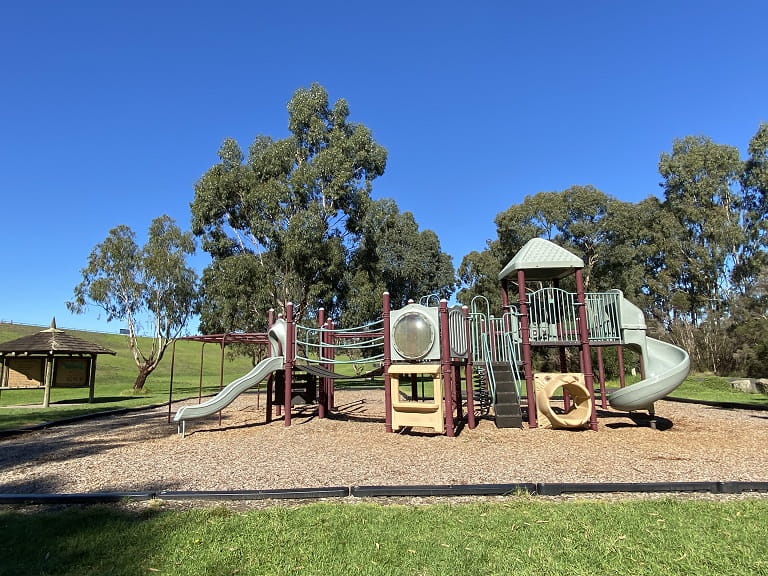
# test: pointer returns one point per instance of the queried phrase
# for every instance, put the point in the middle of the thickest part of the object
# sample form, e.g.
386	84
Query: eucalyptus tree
755	186
701	189
291	211
479	276
149	284
572	218
394	255
641	256
583	226
540	215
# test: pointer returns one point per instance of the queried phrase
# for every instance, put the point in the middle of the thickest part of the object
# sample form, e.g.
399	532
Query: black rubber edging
84	498
282	494
740	487
444	490
424	491
558	489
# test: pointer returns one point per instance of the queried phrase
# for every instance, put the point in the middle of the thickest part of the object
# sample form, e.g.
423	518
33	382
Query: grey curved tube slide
231	391
666	367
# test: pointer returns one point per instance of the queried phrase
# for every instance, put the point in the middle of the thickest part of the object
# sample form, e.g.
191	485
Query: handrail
490	375
321	340
496	340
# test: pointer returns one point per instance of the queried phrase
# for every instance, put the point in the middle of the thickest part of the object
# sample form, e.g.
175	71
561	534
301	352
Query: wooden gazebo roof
53	342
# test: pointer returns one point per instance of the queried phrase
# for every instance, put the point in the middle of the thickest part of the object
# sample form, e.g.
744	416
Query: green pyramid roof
542	260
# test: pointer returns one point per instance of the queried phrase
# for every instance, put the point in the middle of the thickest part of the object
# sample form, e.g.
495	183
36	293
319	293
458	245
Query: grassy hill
115	376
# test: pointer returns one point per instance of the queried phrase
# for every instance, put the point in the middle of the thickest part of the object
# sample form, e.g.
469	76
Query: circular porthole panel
413	335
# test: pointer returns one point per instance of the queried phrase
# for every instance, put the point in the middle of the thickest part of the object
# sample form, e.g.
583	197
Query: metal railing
552	316
313	344
604	316
496	340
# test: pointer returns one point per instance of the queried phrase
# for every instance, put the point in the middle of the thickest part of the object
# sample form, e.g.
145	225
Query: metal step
507	407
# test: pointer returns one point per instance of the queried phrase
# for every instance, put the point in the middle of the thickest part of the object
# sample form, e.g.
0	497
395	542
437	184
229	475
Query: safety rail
496	340
489	373
552	316
604	316
314	344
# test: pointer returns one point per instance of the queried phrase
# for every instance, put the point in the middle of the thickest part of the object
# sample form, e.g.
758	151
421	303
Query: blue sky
111	111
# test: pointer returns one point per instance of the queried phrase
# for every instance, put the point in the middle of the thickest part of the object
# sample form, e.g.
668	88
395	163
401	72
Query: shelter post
91	379
47	380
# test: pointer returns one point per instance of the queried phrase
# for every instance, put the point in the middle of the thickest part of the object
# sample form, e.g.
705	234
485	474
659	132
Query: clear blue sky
111	111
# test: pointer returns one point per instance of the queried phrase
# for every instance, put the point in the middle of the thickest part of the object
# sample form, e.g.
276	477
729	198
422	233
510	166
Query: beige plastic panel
546	384
429	414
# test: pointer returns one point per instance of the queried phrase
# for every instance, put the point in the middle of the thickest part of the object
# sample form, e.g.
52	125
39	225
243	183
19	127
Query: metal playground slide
231	391
666	366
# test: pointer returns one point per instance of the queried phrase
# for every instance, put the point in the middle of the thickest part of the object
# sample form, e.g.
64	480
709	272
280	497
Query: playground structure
468	361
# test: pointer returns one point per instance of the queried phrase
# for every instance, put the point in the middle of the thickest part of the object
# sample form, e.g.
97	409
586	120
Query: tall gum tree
701	188
151	283
293	207
394	255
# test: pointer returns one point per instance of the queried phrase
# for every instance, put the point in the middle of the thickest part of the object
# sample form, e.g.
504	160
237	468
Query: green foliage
294	206
394	256
574	218
131	283
519	535
479	276
700	186
752	353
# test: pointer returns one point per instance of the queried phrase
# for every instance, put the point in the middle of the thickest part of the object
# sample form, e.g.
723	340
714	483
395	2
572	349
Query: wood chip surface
141	451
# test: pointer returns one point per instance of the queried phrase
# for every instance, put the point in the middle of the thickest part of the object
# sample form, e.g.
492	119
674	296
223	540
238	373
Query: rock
746	385
762	385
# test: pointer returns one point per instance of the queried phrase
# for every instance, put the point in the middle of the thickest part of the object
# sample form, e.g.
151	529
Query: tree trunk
144	372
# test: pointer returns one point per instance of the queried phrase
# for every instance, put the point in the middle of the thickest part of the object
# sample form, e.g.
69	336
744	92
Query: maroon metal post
468	371
271	379
331	392
620	356
525	335
221	369
601	377
322	392
387	362
456	369
290	345
200	376
586	354
449	387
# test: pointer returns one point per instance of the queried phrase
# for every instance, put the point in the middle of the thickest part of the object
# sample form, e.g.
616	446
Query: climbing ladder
507	407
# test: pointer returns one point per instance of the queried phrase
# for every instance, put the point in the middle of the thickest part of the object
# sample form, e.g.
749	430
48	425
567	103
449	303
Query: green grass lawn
709	388
518	536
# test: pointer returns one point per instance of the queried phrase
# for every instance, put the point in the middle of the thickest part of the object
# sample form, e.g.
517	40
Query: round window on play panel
413	335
